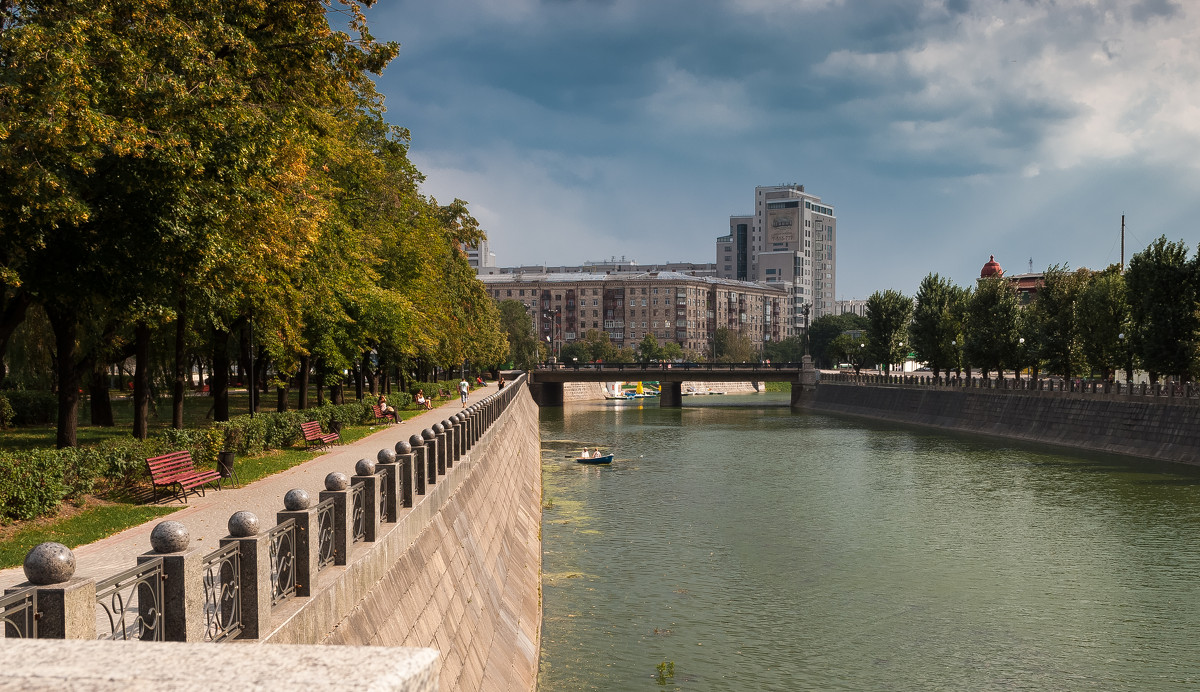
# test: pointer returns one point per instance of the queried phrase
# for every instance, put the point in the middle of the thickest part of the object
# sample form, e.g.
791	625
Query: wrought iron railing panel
358	513
283	561
132	602
382	484
222	593
18	612
325	543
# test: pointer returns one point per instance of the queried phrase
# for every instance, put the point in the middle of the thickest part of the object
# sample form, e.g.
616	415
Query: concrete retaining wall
594	391
460	573
1157	429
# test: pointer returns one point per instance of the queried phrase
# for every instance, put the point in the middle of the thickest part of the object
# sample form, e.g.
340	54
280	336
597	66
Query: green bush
6	413
32	407
31	485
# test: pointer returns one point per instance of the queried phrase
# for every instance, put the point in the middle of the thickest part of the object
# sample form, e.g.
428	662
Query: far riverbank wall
594	391
1159	427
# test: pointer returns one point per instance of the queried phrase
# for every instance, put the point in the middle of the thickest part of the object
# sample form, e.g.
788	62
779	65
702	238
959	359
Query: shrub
6	413
32	407
31	485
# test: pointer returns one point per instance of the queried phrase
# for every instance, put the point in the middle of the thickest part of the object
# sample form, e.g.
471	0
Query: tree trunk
98	392
141	380
220	375
358	383
62	323
181	364
12	317
281	398
336	396
304	368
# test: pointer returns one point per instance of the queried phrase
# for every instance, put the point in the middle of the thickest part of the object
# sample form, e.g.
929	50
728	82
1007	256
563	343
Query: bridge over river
546	382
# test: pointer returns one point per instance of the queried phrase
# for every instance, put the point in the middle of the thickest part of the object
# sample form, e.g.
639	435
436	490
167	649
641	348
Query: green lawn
92	524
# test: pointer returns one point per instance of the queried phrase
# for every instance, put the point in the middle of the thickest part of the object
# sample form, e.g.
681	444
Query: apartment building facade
790	241
672	306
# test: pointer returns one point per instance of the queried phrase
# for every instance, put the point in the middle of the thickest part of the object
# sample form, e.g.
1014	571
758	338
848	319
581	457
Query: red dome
992	268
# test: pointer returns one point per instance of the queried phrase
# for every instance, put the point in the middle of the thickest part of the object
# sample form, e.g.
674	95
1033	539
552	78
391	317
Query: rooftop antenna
1030	265
1122	243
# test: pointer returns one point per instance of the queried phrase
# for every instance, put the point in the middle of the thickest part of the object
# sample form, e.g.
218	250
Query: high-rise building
789	241
479	256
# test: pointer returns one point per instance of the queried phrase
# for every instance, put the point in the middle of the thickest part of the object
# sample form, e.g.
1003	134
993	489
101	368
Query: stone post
298	506
183	586
66	607
439	431
451	442
255	592
431	452
419	452
364	475
456	432
386	461
336	485
404	462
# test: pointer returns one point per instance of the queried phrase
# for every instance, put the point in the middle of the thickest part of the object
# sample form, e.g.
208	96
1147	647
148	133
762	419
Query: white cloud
686	102
1082	80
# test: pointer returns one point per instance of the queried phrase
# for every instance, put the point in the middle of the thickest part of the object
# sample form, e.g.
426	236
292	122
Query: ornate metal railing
18	612
283	561
325	544
132	601
358	513
382	484
222	593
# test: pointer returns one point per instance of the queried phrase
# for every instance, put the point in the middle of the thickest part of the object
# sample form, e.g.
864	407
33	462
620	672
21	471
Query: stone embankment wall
460	573
1156	428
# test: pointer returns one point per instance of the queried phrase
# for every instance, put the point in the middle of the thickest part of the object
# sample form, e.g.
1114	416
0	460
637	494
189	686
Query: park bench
380	415
313	437
177	469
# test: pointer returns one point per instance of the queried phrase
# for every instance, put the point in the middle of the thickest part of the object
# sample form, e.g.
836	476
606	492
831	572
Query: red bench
313	437
177	469
379	414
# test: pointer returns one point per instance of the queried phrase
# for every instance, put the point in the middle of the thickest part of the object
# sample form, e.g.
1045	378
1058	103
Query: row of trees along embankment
177	175
1081	323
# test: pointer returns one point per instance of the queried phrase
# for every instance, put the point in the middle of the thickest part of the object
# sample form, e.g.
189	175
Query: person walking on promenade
463	389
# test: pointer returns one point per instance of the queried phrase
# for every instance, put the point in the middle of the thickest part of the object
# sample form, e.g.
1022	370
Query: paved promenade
206	517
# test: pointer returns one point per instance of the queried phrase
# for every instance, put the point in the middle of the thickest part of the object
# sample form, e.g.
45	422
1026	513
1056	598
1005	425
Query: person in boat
597	454
585	454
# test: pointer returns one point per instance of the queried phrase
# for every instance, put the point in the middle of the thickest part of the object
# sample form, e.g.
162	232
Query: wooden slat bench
177	469
313	437
380	415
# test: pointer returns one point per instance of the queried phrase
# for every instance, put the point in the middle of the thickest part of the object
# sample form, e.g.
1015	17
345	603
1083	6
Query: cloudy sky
942	131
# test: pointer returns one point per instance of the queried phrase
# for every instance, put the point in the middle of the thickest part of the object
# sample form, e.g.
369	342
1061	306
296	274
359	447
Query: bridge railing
670	367
1168	391
178	592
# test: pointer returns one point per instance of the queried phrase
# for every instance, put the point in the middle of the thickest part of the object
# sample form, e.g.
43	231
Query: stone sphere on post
403	447
447	424
428	434
169	537
416	440
243	524
386	456
438	428
49	563
296	499
337	481
364	467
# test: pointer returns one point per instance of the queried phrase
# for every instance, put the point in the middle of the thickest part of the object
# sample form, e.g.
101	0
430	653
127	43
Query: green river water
736	545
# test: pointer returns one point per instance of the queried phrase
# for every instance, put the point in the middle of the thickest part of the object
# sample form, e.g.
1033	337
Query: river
734	545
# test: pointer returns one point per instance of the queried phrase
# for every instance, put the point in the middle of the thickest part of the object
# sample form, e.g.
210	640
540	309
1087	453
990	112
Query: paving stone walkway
206	517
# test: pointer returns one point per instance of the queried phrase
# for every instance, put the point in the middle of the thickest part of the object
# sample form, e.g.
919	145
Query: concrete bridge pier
670	394
547	393
805	388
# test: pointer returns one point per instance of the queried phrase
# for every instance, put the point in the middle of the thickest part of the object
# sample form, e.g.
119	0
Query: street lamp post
1020	356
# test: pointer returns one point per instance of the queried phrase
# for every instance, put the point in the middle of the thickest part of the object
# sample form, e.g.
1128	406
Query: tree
517	326
1104	322
825	329
888	316
992	323
934	328
1162	291
789	350
648	349
1055	315
846	349
730	346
